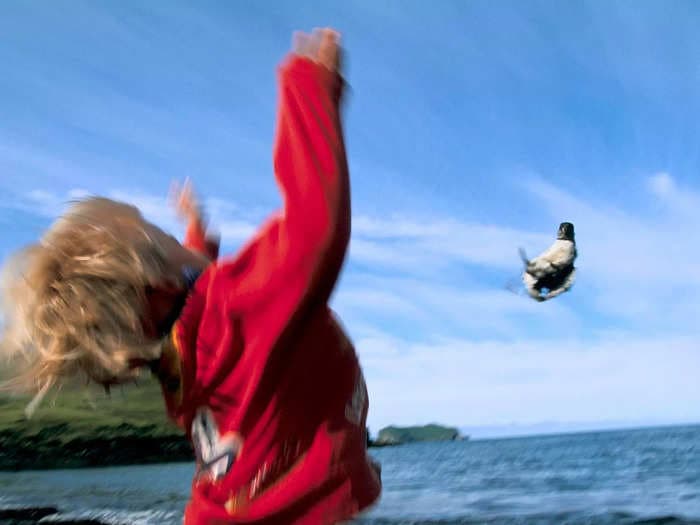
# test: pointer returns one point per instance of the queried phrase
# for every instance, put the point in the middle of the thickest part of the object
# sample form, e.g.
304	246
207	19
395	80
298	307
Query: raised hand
322	46
185	202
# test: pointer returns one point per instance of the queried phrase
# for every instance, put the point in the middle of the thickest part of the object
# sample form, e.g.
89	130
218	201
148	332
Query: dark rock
35	515
25	515
139	446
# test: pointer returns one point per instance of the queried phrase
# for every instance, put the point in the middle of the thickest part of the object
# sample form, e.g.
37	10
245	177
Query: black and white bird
552	273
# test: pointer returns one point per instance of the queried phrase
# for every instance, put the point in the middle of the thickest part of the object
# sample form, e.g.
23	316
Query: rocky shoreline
107	447
57	446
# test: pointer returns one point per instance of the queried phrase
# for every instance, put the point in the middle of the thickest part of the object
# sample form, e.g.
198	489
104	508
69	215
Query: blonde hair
74	303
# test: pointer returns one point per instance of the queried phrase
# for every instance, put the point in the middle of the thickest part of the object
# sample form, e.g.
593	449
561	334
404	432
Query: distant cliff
399	435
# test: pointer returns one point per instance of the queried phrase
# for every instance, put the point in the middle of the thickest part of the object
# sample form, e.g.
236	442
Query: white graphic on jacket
215	454
355	407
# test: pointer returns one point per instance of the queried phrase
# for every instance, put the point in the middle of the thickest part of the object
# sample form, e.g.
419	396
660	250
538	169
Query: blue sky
473	128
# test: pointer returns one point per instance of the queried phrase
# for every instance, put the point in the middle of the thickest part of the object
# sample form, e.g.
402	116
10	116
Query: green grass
81	427
86	410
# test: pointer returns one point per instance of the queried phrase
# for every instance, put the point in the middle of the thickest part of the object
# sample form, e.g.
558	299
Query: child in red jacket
252	361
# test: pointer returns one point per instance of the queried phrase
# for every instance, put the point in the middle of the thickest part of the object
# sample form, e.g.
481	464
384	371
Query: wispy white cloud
43	203
681	204
495	382
440	241
18	160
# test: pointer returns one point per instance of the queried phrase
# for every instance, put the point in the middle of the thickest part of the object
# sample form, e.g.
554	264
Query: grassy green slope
74	429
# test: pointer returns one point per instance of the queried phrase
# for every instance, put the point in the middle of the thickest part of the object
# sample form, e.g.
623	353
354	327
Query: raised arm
196	239
310	164
188	208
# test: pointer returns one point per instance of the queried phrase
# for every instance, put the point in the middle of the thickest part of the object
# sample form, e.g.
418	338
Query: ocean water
649	476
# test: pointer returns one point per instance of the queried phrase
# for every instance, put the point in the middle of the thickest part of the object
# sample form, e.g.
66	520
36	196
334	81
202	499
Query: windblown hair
74	303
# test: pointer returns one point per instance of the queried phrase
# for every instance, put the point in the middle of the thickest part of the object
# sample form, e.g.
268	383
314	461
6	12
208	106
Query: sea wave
608	518
116	517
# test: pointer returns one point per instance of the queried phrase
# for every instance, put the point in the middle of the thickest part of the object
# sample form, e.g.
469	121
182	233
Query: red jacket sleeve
299	252
312	171
197	240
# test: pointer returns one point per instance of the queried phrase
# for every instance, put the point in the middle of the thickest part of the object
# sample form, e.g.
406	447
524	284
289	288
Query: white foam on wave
120	517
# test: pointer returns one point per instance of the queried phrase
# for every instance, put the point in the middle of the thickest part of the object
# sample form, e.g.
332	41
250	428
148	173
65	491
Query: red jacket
269	380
